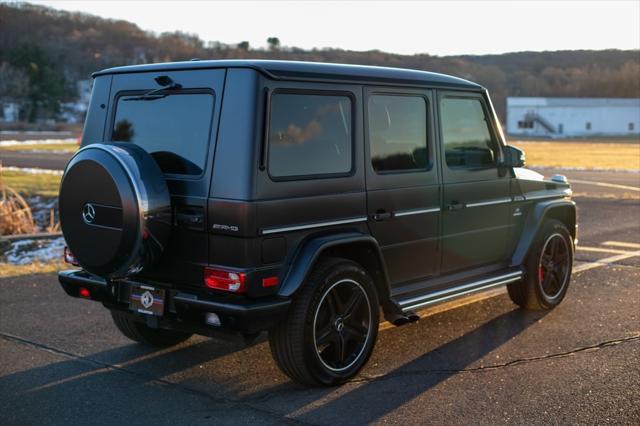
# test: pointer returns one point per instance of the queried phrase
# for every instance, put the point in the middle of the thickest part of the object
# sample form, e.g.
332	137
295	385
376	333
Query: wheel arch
561	210
360	248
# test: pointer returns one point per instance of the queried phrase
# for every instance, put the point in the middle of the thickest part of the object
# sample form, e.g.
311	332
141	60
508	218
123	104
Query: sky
407	27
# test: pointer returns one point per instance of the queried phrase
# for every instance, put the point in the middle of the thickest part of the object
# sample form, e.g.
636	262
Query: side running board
414	302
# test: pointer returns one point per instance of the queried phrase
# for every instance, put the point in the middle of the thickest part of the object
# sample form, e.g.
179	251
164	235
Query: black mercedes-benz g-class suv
304	199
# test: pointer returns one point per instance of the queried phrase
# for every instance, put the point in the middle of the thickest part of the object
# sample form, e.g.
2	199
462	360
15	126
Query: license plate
147	300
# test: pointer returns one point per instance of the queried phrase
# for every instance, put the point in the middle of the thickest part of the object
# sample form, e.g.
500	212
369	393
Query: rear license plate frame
147	300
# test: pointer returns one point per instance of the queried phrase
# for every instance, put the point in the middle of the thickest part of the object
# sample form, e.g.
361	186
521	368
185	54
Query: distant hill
44	51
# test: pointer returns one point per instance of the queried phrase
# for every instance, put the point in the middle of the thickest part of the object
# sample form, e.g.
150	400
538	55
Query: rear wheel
548	269
141	333
331	327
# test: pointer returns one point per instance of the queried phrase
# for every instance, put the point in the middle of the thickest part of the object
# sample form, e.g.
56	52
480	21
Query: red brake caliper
541	273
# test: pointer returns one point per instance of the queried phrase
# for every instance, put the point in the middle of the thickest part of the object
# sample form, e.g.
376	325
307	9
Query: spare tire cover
115	209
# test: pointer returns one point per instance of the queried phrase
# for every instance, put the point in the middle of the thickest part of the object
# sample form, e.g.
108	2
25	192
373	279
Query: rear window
398	133
309	135
174	129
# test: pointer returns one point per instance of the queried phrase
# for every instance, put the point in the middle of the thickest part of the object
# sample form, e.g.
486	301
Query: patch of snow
41	210
13	142
23	252
34	132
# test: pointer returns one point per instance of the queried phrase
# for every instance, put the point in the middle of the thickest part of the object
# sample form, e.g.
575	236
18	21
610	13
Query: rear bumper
184	310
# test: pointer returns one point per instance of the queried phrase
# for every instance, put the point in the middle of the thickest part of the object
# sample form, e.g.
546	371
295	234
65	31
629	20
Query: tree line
44	51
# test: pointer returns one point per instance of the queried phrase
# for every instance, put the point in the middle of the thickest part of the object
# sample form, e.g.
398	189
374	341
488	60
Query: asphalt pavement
26	159
63	362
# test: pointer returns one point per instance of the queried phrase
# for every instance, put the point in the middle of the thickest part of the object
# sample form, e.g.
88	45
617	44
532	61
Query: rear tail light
69	257
84	292
233	282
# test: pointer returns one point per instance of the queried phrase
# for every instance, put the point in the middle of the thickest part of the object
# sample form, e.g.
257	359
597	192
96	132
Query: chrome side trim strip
464	293
540	197
489	202
313	225
416	211
450	293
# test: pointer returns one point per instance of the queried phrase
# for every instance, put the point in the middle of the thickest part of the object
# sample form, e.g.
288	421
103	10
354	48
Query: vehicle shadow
383	394
223	371
143	361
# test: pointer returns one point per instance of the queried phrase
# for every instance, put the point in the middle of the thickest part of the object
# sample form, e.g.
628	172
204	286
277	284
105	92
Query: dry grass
583	155
15	213
56	147
10	270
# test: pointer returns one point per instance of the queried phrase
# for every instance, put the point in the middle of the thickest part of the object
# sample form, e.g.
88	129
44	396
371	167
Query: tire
337	307
139	332
547	278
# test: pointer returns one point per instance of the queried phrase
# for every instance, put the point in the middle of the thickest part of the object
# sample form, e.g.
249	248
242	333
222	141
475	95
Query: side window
398	133
309	135
465	134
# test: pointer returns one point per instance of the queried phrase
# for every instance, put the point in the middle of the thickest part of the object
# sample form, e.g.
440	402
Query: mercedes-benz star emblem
88	213
146	299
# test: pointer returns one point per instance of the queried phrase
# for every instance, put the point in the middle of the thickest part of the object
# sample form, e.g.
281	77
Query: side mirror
513	157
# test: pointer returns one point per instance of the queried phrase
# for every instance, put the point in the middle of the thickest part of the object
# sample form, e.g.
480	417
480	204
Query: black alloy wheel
553	267
342	325
331	327
547	269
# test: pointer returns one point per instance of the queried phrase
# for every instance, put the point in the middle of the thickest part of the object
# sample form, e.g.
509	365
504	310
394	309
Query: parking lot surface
63	362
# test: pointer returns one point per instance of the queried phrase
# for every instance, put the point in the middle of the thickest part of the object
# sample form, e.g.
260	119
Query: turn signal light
233	282
270	282
69	257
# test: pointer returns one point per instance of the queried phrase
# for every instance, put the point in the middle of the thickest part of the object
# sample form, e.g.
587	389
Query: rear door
403	192
477	199
179	131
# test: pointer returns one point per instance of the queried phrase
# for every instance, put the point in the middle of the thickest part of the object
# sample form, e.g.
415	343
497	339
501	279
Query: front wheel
332	325
547	269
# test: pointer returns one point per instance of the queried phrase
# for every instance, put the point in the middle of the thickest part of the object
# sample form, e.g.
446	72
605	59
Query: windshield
174	129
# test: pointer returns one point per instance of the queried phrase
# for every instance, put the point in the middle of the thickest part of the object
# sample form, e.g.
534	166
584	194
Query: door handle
189	217
455	205
381	215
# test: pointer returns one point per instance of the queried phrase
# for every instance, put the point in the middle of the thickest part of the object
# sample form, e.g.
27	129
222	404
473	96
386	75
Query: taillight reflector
84	292
270	282
219	279
69	257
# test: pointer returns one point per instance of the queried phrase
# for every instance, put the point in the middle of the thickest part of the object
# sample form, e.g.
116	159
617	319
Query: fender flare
539	212
307	256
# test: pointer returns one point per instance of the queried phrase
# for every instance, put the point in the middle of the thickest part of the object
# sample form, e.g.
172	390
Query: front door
403	192
477	199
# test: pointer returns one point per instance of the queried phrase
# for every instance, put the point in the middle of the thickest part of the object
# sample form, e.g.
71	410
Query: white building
9	113
573	117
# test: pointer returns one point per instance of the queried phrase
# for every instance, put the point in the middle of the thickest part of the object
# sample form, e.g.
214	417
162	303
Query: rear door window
310	135
174	129
398	133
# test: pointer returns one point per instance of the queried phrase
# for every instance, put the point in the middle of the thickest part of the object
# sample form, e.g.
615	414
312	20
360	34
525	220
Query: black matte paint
226	216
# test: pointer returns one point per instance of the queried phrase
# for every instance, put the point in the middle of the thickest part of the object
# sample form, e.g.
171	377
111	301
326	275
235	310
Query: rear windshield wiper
167	84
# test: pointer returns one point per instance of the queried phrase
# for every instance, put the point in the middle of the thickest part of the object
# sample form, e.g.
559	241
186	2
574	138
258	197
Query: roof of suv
295	70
